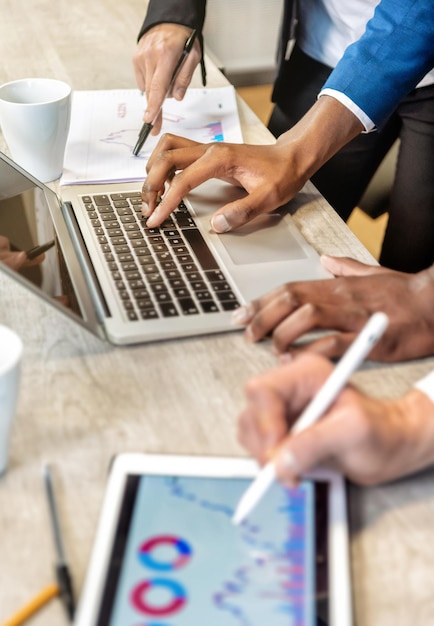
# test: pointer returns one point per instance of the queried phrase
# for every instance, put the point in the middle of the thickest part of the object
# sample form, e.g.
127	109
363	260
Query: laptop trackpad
266	239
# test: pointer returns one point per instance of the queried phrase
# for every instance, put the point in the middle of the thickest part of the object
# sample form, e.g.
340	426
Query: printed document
105	125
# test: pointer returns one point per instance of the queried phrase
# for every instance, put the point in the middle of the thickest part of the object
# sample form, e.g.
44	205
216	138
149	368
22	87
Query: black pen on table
148	126
62	570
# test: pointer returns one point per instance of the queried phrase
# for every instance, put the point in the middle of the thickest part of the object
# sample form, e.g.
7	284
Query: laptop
131	284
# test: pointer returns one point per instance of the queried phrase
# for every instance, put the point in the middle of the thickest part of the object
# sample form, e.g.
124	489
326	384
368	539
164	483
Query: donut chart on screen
141	603
148	559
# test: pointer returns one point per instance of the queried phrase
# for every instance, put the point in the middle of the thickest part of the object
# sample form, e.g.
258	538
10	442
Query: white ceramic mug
34	117
11	349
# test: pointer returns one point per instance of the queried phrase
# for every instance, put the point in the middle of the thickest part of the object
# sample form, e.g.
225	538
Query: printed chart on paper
105	125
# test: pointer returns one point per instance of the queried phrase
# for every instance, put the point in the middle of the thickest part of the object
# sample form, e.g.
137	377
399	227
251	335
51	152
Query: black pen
38	250
62	570
148	126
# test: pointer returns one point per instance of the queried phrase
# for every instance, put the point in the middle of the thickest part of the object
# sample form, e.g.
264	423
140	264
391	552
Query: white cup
34	116
11	349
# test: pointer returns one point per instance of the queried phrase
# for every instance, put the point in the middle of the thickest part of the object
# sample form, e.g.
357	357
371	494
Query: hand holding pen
148	126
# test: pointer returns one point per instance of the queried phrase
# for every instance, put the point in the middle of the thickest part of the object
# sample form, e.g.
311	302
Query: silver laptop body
130	284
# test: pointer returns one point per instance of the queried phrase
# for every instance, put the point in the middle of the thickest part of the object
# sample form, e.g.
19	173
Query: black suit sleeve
190	13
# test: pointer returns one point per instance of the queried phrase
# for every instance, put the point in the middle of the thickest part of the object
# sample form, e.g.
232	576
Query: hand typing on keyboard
270	174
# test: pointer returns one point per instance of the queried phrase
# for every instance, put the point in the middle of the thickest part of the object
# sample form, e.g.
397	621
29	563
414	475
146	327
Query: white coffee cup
11	349
34	117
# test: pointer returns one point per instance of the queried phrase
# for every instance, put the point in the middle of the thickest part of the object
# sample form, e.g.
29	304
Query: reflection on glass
28	243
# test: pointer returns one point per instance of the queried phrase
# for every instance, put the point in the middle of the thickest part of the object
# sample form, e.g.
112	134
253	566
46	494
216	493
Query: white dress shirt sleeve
352	106
426	385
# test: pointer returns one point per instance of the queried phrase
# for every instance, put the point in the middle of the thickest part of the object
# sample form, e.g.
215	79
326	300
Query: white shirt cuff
426	385
352	106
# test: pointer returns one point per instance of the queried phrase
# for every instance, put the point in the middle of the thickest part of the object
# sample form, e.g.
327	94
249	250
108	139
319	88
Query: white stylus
353	357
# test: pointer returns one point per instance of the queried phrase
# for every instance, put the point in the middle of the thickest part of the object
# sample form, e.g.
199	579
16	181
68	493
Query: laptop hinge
96	294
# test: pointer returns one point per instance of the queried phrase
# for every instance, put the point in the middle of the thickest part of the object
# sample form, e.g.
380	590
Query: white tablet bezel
217	467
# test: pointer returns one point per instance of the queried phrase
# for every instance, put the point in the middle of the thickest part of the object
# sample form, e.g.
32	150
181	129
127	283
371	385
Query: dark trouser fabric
409	239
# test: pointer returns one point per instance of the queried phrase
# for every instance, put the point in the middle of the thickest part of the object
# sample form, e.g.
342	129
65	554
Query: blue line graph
284	562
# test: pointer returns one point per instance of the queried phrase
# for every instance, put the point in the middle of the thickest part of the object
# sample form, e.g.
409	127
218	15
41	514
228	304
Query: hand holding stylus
339	376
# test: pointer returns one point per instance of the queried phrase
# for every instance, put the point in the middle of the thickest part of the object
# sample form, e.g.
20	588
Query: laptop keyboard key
168	310
215	276
225	296
188	306
144	304
181	292
149	314
101	200
203	253
203	295
209	307
230	306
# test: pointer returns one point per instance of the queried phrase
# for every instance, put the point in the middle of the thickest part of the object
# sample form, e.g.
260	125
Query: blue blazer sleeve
387	62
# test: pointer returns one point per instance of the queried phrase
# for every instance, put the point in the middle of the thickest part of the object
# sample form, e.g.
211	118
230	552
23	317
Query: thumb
313	446
238	213
184	77
344	266
18	259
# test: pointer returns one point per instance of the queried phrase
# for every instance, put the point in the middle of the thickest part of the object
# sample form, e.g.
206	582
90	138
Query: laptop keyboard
158	272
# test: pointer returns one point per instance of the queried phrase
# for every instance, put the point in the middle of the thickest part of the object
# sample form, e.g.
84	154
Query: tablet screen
177	559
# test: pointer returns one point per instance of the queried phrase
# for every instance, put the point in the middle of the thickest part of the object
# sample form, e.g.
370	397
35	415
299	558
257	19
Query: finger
198	164
151	196
294	326
276	316
16	260
240	212
139	76
332	346
313	446
299	454
161	168
344	266
36	261
268	417
262	425
157	123
158	76
249	436
263	314
309	317
184	77
165	145
155	96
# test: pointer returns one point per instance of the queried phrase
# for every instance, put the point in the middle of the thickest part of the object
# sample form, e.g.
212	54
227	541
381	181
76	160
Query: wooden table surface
82	401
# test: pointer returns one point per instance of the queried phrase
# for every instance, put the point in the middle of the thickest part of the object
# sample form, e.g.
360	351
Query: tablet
166	552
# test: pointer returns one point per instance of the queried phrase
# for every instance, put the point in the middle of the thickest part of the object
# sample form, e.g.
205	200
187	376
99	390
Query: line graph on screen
272	568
